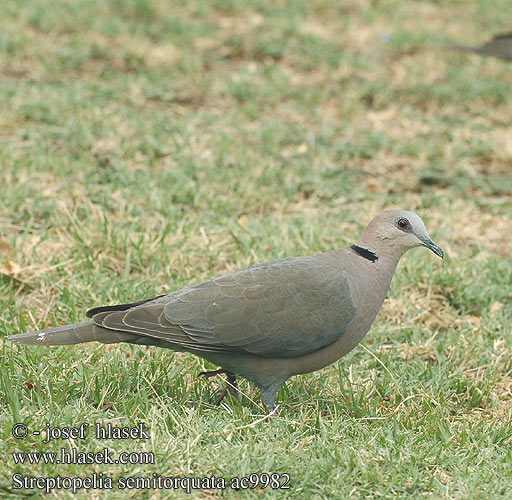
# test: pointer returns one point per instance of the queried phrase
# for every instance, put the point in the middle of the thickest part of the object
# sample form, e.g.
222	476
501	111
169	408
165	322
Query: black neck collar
365	253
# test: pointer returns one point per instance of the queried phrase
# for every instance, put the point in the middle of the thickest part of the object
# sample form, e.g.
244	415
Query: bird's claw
220	394
230	386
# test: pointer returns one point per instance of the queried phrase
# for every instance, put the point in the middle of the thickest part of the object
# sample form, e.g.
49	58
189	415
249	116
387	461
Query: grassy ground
150	145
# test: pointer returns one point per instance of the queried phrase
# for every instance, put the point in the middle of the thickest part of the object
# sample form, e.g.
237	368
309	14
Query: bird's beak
427	242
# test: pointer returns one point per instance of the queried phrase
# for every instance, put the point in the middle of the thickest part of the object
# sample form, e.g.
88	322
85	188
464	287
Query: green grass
145	146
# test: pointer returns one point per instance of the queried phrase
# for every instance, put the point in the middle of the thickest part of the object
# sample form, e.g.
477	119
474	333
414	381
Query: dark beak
427	242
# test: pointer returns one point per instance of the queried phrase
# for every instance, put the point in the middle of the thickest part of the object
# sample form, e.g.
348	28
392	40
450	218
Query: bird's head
398	230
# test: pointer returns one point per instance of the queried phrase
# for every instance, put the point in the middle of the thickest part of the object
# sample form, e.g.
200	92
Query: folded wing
282	308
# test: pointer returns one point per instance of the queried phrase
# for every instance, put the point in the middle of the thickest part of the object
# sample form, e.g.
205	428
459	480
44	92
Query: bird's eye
402	223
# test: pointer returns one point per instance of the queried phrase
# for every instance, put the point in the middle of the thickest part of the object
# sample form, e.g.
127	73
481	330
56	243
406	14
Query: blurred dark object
500	46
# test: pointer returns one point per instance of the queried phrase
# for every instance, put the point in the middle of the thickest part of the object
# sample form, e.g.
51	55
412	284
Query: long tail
86	331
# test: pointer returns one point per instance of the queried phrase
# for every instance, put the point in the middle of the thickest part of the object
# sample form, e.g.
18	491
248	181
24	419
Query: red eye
402	223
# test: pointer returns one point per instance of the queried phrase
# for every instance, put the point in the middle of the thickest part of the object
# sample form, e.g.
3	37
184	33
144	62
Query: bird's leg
269	393
212	373
230	387
220	394
268	398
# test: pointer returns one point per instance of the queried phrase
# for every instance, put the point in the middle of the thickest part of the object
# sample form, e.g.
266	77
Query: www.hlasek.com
73	456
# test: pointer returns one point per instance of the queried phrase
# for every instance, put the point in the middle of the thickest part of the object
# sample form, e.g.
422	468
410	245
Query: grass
150	145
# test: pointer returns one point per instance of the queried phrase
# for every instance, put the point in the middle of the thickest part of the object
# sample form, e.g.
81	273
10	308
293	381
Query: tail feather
86	331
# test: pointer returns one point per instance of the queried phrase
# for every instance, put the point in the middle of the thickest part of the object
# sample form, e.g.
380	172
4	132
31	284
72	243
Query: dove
267	322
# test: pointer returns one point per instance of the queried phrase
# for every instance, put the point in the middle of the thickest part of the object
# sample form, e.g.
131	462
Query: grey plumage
269	321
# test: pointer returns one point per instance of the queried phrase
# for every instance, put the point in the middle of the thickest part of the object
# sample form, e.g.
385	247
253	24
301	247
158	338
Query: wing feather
282	308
